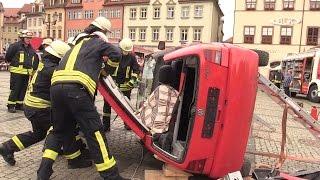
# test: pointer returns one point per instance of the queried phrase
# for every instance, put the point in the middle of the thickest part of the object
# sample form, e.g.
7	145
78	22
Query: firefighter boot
11	109
106	123
112	174
7	155
45	170
78	163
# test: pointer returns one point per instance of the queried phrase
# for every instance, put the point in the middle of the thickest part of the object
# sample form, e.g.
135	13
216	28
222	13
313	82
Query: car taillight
196	166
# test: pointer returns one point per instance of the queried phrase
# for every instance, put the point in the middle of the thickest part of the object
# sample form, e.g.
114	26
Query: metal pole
302	20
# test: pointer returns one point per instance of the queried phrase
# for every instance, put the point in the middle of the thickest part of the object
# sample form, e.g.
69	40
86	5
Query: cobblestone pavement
128	152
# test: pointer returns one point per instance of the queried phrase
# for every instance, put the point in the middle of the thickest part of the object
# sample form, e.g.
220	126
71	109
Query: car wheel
313	94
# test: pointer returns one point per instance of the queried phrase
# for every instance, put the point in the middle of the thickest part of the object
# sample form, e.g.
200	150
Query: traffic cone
314	112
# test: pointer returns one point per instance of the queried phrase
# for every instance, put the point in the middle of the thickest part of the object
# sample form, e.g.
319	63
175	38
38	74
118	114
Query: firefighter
37	104
23	61
125	75
45	43
72	90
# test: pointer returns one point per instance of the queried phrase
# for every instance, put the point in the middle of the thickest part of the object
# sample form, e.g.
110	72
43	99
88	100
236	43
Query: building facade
26	9
174	21
113	10
79	14
1	27
277	26
34	19
10	26
55	19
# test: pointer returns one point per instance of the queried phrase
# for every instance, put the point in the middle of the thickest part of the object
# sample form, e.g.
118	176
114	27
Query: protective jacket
82	65
23	59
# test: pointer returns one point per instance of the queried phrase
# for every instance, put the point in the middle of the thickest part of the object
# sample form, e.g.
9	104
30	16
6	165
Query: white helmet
47	41
58	48
126	44
102	23
25	34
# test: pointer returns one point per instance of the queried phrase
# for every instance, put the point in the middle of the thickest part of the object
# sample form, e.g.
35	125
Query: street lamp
47	21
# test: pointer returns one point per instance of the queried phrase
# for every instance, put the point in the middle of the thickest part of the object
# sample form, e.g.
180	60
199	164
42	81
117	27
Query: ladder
294	109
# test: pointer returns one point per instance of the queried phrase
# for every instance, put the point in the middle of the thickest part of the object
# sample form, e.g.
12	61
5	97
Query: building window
286	34
117	13
155	34
143	13
117	34
249	32
9	29
156	13
142	34
197	34
185	12
48	33
288	4
41	9
251	4
314	4
269	5
39	21
15	29
34	22
133	13
313	36
101	13
198	10
267	34
88	14
59	34
169	34
184	35
75	1
29	22
33	9
170	14
60	17
132	34
40	34
54	34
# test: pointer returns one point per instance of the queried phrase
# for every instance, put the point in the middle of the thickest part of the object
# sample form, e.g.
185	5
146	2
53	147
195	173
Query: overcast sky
227	7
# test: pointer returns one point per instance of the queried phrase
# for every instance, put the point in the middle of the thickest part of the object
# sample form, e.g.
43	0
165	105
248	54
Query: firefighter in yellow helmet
36	104
125	75
22	60
73	87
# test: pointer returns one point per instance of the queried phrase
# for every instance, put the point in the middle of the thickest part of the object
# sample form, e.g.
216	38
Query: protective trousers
40	120
107	111
18	87
72	104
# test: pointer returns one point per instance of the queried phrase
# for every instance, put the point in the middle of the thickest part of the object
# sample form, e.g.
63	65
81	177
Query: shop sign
286	21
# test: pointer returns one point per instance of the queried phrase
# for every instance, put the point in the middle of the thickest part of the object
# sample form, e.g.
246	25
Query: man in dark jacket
73	88
125	76
23	61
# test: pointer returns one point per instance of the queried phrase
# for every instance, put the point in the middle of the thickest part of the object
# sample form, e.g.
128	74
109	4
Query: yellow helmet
58	48
47	41
126	44
102	23
26	34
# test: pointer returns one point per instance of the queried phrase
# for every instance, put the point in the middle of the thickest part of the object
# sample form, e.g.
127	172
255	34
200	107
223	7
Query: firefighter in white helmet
21	57
125	76
36	103
74	84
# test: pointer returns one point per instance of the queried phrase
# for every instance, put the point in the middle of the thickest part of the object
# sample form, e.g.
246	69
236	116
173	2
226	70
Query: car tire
313	94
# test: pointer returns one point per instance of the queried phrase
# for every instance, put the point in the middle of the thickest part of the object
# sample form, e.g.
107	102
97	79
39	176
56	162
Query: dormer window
33	8
41	8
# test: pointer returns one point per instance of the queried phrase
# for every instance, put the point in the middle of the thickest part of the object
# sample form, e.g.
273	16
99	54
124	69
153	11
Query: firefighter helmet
58	48
47	41
102	23
126	44
26	34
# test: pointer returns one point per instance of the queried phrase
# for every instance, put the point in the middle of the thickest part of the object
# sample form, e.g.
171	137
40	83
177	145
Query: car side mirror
263	57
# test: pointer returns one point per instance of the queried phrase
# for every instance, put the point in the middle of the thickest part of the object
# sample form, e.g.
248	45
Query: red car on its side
218	85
